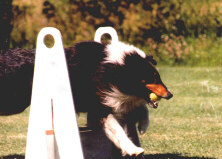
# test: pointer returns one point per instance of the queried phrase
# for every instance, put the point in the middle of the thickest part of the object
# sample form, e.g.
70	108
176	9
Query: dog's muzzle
160	90
168	95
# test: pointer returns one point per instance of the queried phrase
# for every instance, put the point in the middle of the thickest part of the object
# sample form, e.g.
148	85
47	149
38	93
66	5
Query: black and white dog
110	82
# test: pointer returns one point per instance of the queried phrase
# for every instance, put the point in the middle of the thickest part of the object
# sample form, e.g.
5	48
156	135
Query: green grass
13	131
189	124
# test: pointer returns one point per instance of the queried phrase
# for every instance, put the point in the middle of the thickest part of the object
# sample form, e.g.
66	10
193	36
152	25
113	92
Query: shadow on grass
153	156
13	157
172	156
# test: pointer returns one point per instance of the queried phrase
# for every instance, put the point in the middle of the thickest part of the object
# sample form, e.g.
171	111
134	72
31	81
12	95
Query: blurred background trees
6	16
172	30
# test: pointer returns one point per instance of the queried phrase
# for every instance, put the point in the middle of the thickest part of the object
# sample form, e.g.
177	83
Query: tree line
135	20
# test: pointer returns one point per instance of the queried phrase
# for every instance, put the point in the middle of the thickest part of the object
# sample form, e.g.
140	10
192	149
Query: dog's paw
143	126
132	150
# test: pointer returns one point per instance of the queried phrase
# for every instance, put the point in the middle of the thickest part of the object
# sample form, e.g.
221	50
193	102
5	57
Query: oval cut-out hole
49	41
106	38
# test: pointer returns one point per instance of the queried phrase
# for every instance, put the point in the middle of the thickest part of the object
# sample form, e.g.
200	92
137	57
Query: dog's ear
150	59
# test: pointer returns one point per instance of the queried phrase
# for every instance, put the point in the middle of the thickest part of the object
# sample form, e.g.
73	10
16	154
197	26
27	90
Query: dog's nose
169	95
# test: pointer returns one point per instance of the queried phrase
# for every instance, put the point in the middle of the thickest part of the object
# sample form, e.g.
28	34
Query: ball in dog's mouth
153	102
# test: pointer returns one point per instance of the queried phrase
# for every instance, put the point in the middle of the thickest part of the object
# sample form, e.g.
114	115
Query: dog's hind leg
117	135
93	120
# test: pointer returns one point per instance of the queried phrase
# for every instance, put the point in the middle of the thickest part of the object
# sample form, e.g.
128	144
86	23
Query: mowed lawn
187	126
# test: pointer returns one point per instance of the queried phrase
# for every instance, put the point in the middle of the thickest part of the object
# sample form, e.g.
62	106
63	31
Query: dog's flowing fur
16	73
109	82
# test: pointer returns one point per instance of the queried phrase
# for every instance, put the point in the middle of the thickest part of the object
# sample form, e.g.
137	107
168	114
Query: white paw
132	150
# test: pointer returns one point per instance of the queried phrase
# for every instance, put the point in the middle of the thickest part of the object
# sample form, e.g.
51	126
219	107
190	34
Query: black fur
16	73
89	77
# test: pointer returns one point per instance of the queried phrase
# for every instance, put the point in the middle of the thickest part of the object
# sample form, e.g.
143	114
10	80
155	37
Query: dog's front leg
143	118
118	136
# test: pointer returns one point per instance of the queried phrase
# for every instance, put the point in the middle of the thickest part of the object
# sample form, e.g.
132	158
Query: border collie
110	82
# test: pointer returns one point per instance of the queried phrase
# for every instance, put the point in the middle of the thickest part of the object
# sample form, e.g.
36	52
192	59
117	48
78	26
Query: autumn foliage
165	24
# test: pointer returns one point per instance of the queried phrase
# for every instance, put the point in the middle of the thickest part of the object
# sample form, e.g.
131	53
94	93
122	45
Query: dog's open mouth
153	104
153	100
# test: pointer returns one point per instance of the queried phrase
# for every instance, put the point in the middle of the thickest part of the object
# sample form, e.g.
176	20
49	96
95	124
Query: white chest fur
120	102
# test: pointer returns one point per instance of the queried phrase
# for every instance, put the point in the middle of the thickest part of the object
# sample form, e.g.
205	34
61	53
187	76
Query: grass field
187	126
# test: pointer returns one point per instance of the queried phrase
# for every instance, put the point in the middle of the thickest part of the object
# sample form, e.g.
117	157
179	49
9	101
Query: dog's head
137	74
